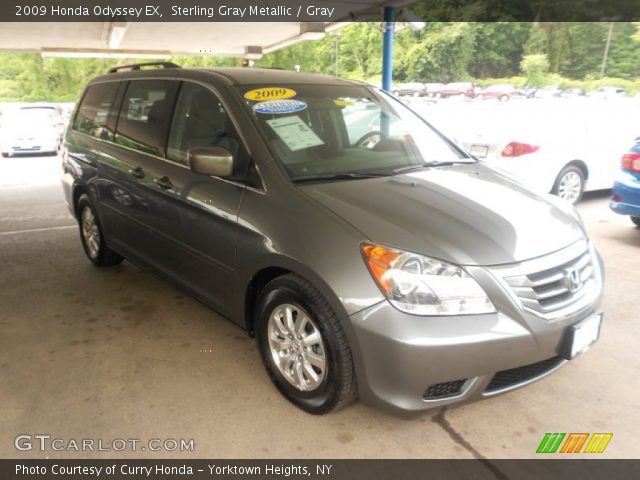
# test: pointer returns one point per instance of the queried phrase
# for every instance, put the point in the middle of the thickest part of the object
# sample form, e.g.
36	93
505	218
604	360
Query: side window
145	115
201	120
93	112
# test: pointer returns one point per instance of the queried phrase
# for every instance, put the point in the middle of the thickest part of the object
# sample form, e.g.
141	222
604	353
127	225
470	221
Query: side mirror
214	161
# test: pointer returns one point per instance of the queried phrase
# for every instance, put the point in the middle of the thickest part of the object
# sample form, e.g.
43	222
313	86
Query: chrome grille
552	291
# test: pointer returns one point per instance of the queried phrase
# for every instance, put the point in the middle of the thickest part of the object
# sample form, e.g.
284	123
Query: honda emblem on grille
573	279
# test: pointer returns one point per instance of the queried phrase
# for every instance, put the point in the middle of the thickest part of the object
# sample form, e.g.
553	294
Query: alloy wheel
90	232
296	347
570	187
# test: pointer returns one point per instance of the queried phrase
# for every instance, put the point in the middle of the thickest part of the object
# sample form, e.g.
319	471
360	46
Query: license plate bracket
582	335
479	150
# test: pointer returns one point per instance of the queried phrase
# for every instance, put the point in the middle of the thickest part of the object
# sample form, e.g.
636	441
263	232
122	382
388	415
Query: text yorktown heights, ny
158	469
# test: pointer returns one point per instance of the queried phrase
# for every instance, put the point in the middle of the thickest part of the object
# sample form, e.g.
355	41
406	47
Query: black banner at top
317	11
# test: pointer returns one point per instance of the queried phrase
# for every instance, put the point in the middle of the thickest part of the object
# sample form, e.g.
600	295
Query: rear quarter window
93	113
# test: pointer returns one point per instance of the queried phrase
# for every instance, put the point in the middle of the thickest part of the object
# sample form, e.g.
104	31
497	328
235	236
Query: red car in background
501	92
457	88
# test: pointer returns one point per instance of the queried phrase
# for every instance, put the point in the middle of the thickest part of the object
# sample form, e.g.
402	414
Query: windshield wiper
337	176
435	163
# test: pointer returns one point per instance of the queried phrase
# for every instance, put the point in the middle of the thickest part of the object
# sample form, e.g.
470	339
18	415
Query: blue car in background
625	197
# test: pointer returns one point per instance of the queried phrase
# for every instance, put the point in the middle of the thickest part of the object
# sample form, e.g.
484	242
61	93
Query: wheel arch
276	266
578	163
78	191
581	164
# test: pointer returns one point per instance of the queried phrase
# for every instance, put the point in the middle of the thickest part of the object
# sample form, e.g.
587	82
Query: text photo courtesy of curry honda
377	224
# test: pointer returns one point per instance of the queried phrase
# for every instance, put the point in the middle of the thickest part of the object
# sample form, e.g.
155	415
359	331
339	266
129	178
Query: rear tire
636	221
91	235
303	346
569	184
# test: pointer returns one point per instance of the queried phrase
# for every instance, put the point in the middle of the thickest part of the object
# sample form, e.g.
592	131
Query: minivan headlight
420	285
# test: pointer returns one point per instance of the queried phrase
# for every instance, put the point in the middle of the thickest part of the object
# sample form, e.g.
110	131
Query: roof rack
137	66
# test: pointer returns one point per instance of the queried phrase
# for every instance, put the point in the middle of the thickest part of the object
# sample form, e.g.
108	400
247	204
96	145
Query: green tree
624	53
441	52
535	67
498	48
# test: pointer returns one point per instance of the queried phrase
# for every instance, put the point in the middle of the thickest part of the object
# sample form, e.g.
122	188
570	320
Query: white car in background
606	93
549	145
54	111
561	157
31	130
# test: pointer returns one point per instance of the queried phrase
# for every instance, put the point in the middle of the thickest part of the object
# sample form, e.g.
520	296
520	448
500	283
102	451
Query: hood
468	214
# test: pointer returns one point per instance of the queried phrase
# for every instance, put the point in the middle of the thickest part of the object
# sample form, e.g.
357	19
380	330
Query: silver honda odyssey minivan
370	256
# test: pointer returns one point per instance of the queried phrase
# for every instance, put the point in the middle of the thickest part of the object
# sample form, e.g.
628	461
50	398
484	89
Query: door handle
163	182
137	172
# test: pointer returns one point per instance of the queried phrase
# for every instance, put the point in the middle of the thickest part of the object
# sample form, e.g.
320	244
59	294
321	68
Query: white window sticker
294	132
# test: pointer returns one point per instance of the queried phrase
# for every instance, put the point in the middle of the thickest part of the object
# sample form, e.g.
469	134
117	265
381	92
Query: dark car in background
433	88
572	93
550	91
413	89
387	265
625	196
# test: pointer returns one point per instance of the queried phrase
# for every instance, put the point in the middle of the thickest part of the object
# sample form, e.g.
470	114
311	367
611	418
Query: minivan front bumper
413	363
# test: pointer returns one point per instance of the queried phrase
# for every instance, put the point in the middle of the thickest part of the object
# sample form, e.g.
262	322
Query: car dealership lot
116	353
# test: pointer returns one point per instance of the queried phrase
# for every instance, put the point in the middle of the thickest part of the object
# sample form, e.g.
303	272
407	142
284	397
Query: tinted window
201	120
145	115
93	113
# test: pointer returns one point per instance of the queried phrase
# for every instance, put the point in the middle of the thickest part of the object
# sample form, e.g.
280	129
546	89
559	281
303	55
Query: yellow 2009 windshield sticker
343	102
270	93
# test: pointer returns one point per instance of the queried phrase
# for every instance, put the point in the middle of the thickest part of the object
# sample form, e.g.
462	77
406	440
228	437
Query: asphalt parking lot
117	353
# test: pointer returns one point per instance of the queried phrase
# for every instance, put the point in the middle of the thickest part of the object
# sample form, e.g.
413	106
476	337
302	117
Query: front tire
569	184
303	346
91	235
636	221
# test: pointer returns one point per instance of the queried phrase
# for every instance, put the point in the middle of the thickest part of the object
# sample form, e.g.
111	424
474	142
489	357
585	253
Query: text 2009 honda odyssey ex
368	254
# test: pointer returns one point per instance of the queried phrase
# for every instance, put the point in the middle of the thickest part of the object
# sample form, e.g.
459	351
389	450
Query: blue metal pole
387	49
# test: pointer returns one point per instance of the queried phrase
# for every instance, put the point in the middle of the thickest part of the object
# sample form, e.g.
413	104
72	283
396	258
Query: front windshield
320	131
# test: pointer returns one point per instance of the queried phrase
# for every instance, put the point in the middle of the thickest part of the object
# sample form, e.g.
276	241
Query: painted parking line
33	230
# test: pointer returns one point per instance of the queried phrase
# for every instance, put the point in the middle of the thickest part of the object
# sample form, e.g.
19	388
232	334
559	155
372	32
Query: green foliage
440	52
28	77
535	66
206	62
565	54
624	55
498	48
